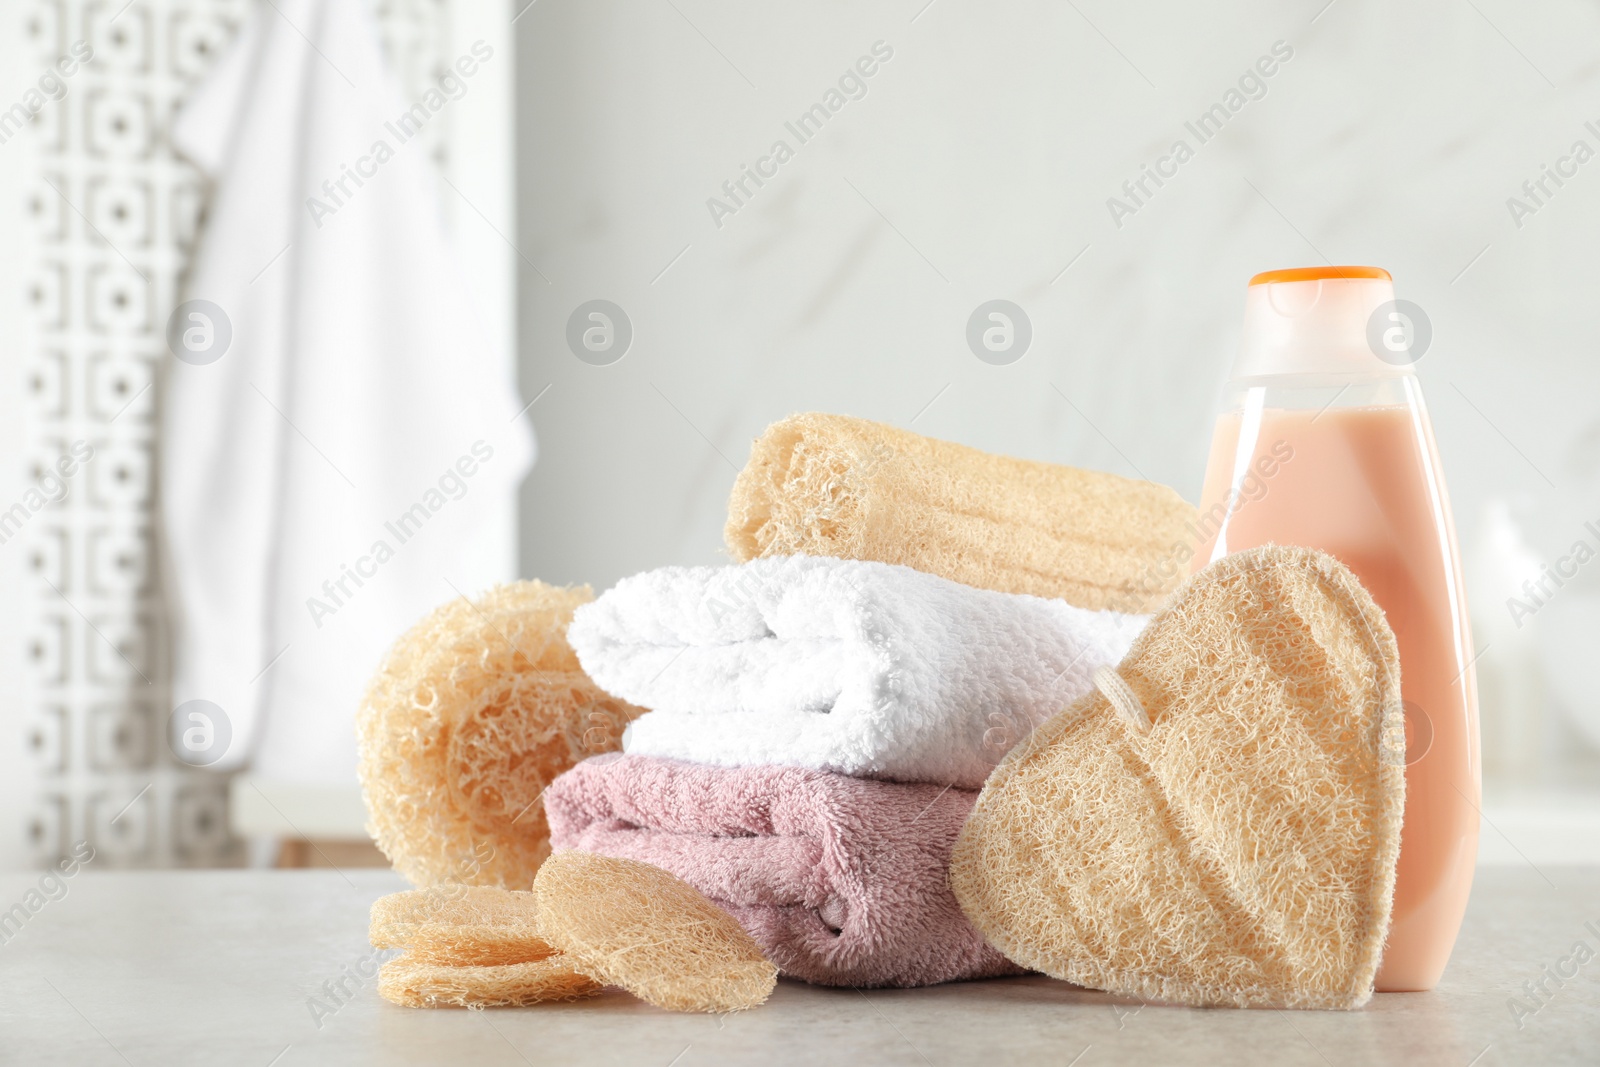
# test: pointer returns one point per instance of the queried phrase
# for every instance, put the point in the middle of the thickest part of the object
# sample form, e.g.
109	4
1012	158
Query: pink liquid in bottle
1325	442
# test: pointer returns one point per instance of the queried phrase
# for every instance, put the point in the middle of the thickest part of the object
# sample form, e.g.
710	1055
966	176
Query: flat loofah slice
1240	849
831	485
474	711
415	983
460	925
632	925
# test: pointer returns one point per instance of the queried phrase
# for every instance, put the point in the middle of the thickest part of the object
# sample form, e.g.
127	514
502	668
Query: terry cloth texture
860	668
830	485
842	881
1238	850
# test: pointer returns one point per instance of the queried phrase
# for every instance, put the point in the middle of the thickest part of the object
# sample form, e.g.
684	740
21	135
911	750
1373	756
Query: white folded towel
859	668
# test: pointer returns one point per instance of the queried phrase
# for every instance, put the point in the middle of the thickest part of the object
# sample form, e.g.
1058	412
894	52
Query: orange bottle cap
1313	274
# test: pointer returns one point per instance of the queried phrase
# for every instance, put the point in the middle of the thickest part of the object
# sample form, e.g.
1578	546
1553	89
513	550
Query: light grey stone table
245	967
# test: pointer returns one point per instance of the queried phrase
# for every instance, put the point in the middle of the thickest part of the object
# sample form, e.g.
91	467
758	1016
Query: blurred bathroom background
622	151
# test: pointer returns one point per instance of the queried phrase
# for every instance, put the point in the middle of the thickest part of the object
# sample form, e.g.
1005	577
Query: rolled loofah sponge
474	711
414	983
1239	847
460	925
831	485
629	924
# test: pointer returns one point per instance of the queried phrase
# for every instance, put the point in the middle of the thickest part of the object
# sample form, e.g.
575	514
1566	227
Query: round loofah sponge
629	924
460	925
474	711
415	983
1239	848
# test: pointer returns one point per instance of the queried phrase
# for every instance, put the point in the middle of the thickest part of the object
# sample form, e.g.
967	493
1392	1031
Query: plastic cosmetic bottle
1324	441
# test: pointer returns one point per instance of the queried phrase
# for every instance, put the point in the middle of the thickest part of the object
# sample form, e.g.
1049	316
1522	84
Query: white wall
990	144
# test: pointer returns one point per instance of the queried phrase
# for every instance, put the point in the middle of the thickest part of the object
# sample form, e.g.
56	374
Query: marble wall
978	162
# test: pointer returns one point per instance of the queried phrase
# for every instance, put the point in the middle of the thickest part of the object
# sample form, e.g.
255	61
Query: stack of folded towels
820	723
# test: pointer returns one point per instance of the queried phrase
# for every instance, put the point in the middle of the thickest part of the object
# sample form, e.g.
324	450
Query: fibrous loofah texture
413	983
475	710
629	924
830	485
1242	851
459	925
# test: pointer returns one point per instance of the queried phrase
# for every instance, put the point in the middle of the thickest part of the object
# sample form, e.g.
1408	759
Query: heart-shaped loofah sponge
1240	848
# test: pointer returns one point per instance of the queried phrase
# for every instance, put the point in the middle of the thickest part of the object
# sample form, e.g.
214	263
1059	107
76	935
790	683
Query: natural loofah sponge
629	924
831	485
474	711
1238	850
414	983
459	925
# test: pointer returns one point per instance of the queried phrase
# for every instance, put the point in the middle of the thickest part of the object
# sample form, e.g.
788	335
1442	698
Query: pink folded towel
843	881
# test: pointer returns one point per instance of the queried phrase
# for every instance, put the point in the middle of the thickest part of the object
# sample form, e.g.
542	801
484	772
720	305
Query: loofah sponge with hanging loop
1218	823
459	924
629	924
831	485
474	711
